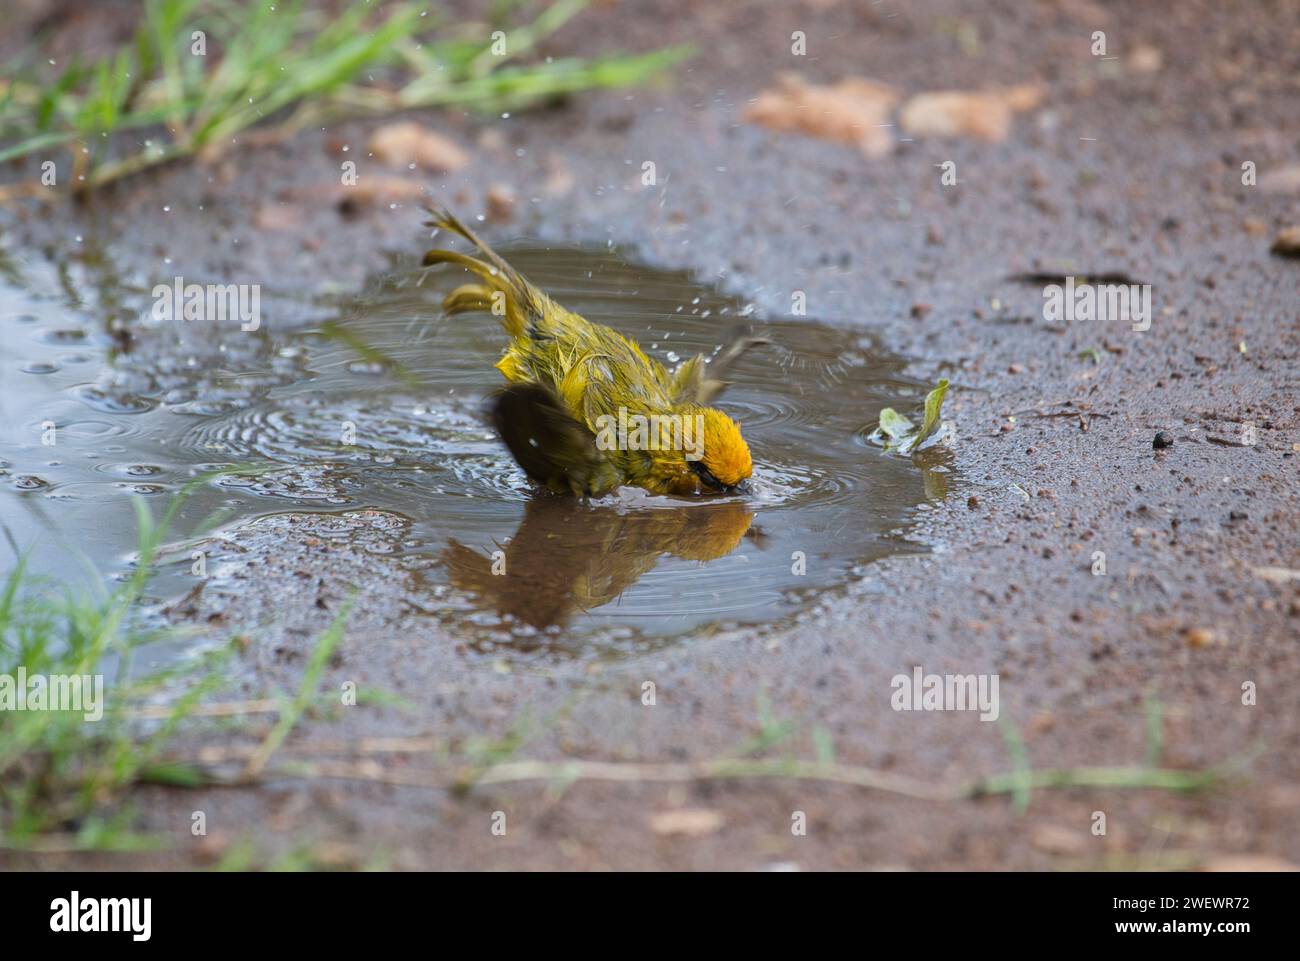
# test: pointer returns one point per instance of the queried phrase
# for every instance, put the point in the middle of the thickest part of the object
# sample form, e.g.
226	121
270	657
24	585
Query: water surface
401	431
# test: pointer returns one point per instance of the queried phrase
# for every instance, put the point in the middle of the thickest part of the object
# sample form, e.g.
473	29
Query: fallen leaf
983	114
385	188
1277	575
1023	97
277	217
1283	180
1085	12
406	143
897	434
1054	839
691	822
853	110
1249	862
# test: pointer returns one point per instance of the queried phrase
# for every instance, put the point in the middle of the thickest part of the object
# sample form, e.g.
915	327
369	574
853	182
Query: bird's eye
705	475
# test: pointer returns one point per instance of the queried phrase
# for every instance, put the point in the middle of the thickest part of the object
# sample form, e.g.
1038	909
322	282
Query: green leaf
933	408
897	434
894	425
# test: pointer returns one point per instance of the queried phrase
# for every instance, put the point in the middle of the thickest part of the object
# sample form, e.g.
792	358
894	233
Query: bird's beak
742	488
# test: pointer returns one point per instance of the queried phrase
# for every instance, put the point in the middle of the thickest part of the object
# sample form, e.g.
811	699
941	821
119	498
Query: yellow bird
586	411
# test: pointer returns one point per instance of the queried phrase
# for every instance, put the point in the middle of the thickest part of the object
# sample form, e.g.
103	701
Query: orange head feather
726	455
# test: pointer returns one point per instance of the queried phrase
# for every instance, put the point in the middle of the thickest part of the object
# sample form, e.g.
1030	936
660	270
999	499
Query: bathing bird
585	410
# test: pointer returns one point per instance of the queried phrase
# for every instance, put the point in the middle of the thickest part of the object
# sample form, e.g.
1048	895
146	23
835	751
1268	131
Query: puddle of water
334	432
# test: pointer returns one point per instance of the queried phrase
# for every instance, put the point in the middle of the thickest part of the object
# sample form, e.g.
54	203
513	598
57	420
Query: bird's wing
697	383
551	446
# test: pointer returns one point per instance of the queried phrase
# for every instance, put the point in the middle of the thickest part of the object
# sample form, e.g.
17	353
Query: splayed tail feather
504	291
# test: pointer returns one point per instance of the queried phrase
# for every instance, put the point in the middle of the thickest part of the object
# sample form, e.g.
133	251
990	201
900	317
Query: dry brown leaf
277	217
406	143
691	822
1023	97
853	110
1283	180
952	113
1055	839
1085	12
1277	575
383	190
1249	862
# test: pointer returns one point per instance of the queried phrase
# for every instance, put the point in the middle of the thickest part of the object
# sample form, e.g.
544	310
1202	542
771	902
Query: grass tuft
66	779
282	66
62	774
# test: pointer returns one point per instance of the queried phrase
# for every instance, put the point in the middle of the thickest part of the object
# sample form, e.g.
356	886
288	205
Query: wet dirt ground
1119	169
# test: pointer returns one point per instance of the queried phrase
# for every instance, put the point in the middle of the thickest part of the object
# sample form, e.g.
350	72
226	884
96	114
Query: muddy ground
1121	168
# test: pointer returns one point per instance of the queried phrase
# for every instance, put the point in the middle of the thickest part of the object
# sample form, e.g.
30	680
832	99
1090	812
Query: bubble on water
147	490
65	336
110	402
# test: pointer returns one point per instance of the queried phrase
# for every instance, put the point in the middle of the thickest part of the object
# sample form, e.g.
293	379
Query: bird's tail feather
466	298
522	305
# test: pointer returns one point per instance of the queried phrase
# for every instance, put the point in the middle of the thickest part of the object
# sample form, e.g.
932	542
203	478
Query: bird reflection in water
568	557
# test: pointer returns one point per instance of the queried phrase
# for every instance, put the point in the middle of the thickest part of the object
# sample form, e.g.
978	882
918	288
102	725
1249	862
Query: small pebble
1287	243
500	202
1162	440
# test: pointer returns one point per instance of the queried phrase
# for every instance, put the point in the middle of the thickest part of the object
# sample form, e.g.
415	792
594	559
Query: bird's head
724	464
